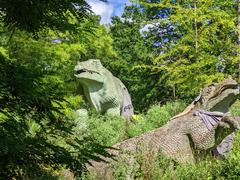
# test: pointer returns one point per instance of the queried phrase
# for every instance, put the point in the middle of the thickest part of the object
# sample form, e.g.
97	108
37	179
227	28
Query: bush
106	130
156	117
109	130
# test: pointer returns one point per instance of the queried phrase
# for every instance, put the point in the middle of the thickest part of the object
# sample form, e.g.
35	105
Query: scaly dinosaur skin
105	93
174	139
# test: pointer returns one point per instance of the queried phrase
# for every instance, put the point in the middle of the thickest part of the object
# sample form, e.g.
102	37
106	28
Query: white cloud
105	10
147	27
119	6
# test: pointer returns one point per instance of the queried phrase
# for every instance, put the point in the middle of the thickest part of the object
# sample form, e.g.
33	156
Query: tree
36	117
35	15
205	49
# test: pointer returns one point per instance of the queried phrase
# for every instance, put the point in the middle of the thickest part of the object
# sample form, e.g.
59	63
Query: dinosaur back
127	108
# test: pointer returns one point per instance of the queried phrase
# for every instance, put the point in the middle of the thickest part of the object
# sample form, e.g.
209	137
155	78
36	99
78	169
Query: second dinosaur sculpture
174	139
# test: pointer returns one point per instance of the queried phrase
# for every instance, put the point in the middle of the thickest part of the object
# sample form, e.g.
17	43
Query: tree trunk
195	27
174	92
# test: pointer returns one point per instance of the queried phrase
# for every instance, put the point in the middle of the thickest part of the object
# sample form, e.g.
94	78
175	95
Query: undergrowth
109	130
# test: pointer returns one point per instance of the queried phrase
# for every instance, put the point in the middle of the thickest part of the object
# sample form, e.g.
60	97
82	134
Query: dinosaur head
220	96
89	71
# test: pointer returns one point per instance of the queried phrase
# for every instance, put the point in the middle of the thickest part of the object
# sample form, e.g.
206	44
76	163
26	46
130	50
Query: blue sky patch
109	9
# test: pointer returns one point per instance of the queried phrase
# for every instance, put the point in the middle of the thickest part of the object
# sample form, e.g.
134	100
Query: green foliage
156	117
146	167
38	95
32	16
201	44
188	44
231	166
234	110
213	168
185	46
134	56
163	168
109	130
29	130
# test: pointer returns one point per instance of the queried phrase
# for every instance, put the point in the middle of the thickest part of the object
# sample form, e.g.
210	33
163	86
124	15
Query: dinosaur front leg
225	146
227	143
179	148
184	152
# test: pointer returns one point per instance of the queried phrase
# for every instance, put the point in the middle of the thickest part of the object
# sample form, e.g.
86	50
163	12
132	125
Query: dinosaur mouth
224	99
80	71
225	88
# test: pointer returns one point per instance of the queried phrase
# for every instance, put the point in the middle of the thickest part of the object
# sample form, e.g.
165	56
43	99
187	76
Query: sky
106	10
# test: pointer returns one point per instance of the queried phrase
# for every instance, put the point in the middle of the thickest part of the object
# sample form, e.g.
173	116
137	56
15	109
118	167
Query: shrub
106	130
156	117
109	130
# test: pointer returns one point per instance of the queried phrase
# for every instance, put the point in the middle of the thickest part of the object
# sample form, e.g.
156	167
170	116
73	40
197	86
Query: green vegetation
38	95
163	51
35	16
109	130
185	45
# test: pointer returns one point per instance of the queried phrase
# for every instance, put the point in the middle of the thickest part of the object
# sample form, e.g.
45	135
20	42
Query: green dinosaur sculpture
104	92
174	139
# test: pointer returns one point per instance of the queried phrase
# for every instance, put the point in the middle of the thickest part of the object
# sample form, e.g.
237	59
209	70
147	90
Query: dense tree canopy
205	48
179	46
33	16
